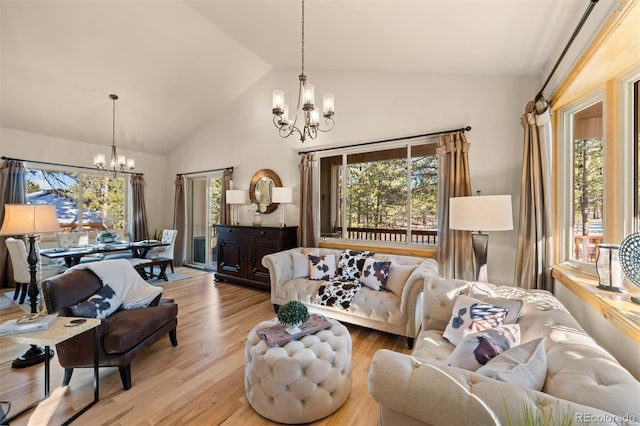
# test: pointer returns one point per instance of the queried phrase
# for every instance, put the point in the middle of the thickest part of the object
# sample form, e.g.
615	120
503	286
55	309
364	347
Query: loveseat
396	308
580	382
123	334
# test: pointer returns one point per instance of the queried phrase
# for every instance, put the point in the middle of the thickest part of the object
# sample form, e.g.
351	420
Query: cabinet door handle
263	232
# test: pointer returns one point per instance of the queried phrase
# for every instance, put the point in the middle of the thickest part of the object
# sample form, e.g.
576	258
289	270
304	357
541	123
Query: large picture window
383	195
84	201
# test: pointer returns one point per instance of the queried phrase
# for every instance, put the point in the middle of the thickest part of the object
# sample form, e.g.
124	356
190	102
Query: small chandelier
306	107
118	162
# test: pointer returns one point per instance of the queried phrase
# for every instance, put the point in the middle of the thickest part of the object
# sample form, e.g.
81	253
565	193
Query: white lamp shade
281	195
481	213
236	196
29	219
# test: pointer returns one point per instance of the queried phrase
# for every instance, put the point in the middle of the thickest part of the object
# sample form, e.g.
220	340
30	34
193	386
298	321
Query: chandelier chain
302	37
113	123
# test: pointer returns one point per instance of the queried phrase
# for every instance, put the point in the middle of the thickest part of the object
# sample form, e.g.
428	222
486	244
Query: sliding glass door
203	201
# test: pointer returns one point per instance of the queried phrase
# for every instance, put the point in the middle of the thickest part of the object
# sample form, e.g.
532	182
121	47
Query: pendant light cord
302	37
113	124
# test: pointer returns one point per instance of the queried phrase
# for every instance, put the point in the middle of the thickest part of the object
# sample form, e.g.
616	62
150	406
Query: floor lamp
480	213
30	220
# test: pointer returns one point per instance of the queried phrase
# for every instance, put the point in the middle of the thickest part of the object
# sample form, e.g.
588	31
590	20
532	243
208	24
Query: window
204	196
587	182
83	201
384	195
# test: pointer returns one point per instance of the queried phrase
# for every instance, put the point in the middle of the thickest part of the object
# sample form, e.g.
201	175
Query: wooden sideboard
241	248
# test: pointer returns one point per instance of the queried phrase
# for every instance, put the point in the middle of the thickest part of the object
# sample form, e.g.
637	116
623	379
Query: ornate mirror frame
264	179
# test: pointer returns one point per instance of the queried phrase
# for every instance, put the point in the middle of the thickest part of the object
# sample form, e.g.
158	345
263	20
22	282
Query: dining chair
18	255
169	237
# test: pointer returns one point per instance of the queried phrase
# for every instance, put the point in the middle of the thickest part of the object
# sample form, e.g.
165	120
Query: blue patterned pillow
351	263
470	315
100	305
322	267
375	273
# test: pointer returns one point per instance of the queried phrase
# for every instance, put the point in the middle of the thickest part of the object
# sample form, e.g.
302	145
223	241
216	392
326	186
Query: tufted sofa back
578	369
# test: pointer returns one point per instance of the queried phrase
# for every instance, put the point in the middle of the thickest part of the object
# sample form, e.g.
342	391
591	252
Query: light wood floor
199	382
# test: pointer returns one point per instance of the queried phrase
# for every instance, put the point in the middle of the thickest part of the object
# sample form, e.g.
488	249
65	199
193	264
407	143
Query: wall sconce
609	268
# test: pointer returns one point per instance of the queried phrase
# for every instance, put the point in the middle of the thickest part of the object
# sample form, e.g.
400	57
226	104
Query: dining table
73	255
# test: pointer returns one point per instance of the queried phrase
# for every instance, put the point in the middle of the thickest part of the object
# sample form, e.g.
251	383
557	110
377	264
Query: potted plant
107	237
292	314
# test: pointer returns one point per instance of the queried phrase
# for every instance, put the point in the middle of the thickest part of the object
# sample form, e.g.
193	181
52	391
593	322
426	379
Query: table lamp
235	197
283	196
30	220
480	213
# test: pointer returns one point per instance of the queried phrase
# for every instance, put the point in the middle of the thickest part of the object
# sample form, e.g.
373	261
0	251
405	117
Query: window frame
81	173
344	152
566	176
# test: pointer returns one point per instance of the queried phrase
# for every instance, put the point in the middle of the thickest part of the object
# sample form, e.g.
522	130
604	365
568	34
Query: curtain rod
585	15
442	132
205	171
67	165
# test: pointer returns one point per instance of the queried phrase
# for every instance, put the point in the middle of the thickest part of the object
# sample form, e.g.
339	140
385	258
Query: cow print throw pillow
322	267
375	273
100	305
351	263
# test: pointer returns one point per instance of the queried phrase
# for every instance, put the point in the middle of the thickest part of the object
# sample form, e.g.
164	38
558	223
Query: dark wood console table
241	248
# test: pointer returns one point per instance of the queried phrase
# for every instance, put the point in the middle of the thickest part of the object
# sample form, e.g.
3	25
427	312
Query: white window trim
565	175
626	174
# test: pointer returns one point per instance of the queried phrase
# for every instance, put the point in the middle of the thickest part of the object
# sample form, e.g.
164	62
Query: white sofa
583	382
380	310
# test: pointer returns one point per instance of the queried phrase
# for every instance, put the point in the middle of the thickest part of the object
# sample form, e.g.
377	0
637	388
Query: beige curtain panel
179	222
454	252
13	190
535	254
139	226
308	232
225	211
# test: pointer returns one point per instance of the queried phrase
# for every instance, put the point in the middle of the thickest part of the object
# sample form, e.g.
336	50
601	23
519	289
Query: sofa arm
415	283
434	393
280	266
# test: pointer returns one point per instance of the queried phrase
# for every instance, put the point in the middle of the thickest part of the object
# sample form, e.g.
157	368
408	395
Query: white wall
374	106
32	146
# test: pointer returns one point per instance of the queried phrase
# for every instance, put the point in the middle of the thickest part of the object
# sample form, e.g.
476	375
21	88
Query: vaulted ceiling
175	64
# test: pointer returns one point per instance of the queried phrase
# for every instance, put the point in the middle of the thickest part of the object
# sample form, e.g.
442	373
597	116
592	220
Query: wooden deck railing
421	236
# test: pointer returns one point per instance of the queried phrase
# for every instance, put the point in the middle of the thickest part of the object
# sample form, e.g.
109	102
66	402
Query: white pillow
300	265
322	267
523	365
470	315
398	276
375	273
476	349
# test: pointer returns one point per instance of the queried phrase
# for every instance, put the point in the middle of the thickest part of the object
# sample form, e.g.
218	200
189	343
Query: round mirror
260	190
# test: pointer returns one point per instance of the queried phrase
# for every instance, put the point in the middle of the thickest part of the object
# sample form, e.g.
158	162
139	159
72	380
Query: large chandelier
118	162
306	107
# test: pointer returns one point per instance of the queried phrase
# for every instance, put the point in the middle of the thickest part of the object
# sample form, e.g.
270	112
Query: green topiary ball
293	313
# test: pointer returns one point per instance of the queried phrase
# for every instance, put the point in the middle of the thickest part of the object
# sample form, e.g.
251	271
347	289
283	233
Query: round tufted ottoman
302	381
